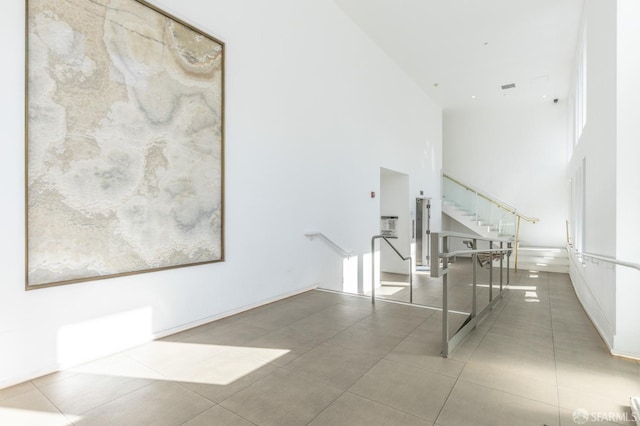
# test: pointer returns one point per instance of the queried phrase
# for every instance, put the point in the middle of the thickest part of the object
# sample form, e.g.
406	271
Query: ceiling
462	51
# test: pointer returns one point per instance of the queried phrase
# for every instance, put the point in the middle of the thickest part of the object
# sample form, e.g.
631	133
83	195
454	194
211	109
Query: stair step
544	259
543	252
468	219
549	268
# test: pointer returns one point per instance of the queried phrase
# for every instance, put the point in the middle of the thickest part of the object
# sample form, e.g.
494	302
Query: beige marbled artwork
124	141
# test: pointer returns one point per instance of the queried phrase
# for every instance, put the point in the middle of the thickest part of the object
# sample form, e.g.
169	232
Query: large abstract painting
124	141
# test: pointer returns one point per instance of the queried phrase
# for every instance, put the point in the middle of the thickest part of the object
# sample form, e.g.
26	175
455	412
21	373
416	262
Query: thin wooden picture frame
124	142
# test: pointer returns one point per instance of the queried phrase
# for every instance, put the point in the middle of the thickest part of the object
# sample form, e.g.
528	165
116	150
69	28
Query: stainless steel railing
608	290
373	266
611	260
311	235
440	259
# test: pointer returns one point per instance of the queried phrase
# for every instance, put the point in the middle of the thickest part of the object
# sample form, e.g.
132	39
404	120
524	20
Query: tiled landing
329	359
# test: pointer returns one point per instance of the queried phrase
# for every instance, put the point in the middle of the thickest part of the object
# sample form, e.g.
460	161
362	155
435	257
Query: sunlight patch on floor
188	362
15	416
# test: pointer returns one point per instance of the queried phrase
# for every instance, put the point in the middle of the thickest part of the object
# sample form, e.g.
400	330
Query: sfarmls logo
582	416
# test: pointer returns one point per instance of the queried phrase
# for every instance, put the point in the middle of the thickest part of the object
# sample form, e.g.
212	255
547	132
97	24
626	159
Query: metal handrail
493	200
461	252
473	237
450	343
342	251
606	259
373	268
601	297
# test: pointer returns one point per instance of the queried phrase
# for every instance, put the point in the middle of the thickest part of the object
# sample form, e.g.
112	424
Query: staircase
477	225
543	259
485	216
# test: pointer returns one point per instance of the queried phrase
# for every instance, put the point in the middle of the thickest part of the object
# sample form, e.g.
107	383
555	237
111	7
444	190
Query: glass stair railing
485	211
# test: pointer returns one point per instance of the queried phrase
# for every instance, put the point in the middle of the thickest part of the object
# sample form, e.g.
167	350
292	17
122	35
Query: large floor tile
604	382
98	382
83	392
364	302
163	356
403	311
228	372
347	314
393	324
328	295
592	357
118	365
31	409
516	347
218	416
16	390
353	410
364	339
291	344
52	377
316	301
282	398
162	403
337	366
405	388
571	336
516	328
227	334
574	399
316	327
471	404
279	316
423	350
532	380
219	390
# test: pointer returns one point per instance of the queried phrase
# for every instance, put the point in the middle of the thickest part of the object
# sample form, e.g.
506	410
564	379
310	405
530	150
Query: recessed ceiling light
473	96
544	96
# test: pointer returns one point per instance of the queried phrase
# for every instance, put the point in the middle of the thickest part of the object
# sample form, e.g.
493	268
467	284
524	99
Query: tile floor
323	358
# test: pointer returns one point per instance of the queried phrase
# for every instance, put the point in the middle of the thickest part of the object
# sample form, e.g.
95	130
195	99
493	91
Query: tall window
578	203
580	89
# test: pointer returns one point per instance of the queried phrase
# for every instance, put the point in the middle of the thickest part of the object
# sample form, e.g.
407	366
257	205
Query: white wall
518	155
598	140
314	110
628	176
628	130
609	143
